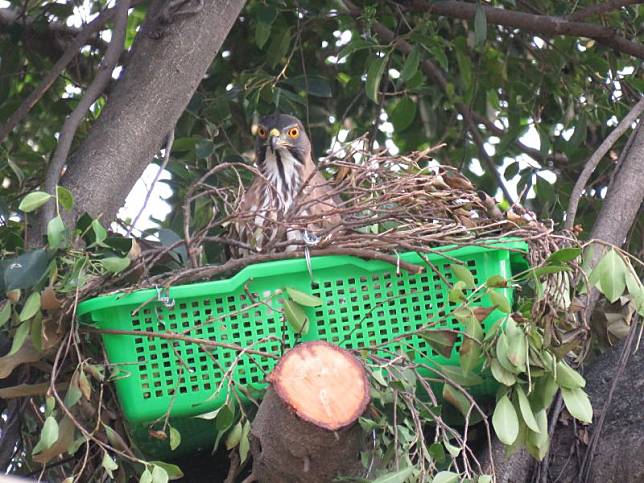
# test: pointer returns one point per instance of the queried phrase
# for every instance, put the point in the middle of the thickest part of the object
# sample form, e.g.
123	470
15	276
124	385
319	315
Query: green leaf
484	479
568	378
578	404
146	476
232	440
55	232
544	392
517	344
100	234
315	85
244	443
446	477
502	375
224	418
463	274
496	281
442	341
159	474
296	317
609	276
455	374
20	337
505	421
480	26
410	67
500	301
538	442
5	313
563	256
26	270
262	33
395	477
115	264
48	435
172	471
33	201
526	410
403	114
65	198
457	399
109	464
303	298
175	438
470	351
374	75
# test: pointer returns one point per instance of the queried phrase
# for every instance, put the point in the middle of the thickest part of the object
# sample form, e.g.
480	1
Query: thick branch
92	93
160	79
624	197
597	156
536	24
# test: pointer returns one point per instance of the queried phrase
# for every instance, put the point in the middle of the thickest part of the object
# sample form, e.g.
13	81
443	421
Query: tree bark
154	90
305	428
621	445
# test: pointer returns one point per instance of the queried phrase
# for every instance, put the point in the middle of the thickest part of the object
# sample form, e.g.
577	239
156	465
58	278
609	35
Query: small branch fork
81	39
597	156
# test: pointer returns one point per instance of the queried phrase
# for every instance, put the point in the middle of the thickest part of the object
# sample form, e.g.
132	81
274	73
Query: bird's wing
319	199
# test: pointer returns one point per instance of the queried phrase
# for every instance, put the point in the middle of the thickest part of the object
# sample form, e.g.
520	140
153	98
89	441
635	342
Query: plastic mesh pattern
364	304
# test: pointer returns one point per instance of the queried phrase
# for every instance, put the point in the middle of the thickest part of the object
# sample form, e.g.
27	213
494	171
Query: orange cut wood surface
322	383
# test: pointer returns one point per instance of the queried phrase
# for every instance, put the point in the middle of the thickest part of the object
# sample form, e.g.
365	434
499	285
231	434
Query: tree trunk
156	86
304	430
619	456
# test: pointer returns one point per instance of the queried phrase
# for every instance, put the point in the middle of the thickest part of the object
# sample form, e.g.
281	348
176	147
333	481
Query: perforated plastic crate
364	303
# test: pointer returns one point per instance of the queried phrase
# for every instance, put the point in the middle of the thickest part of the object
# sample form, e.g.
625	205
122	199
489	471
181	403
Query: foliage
334	70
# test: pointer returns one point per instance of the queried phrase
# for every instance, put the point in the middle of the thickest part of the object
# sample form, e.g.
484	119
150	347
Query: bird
290	188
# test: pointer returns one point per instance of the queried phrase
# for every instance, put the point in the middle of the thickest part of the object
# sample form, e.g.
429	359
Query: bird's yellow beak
274	132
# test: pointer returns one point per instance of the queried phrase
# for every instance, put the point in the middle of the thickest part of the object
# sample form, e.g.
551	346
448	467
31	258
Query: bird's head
283	133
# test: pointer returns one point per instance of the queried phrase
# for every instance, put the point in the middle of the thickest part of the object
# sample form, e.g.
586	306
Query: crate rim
285	266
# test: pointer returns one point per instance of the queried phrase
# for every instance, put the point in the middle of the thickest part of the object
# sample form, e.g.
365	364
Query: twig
597	156
184	338
601	8
72	51
92	93
166	158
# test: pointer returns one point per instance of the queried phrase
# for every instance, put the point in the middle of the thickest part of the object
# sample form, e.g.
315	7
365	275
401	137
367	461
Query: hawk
291	200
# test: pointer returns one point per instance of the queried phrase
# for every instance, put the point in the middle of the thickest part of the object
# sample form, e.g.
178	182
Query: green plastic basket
364	303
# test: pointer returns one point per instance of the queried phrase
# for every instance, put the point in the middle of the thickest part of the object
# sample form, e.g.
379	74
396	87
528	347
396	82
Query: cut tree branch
536	24
596	157
92	93
70	53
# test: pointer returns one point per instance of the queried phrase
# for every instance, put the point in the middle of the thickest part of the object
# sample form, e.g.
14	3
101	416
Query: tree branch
600	8
536	24
70	53
594	160
92	93
161	77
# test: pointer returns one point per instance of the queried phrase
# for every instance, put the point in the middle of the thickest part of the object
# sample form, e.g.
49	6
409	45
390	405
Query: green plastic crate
365	302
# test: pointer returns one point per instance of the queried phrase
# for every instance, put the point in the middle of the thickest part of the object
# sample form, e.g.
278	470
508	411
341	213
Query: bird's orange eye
294	132
262	132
